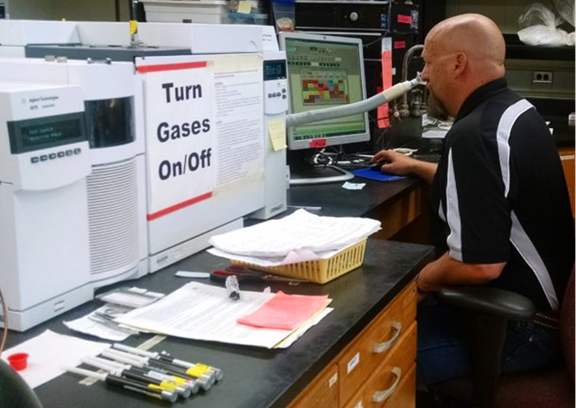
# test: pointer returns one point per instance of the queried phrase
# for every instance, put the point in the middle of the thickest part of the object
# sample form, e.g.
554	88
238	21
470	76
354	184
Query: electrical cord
384	34
5	314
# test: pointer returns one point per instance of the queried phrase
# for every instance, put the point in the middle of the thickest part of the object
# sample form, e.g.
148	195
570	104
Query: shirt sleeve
477	212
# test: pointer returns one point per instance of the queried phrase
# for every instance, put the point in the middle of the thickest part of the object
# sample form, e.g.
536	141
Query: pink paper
285	312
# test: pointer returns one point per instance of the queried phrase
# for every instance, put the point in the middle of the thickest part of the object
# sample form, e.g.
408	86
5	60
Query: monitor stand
318	175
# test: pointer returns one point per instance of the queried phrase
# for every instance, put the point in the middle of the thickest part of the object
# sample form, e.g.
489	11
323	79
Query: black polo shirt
501	195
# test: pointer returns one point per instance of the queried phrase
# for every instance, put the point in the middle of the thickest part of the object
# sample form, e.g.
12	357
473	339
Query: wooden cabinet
322	392
388	378
377	368
567	158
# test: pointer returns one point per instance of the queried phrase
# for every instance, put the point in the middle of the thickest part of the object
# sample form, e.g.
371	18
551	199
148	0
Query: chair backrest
14	391
567	325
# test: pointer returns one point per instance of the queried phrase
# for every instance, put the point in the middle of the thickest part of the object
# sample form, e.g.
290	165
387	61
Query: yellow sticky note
244	7
277	133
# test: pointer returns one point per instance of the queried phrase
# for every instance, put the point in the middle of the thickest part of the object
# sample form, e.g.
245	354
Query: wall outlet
542	77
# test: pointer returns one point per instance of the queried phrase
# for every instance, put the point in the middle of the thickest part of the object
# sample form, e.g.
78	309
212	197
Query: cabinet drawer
393	380
373	345
405	395
567	158
322	392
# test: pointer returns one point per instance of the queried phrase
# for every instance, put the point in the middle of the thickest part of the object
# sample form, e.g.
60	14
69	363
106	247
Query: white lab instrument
44	164
275	108
122	243
116	185
17	34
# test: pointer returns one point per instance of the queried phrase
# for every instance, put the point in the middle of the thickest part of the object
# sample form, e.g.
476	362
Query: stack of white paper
203	312
298	237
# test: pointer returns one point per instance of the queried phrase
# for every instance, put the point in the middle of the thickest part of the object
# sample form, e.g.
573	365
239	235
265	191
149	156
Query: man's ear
460	62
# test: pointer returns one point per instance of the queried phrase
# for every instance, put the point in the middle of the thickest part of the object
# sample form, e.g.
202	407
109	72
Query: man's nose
425	76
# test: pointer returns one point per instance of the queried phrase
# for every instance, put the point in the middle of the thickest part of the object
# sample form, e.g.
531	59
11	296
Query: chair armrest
487	300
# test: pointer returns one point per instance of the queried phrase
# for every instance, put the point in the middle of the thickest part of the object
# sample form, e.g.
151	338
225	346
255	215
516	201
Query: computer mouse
378	165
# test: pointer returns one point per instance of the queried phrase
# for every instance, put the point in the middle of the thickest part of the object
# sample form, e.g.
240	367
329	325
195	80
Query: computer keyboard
428	157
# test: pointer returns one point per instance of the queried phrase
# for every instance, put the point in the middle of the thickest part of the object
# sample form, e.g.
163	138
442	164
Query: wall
30	9
78	10
504	12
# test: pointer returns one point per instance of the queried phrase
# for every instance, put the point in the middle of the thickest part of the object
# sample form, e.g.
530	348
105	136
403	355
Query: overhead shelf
515	49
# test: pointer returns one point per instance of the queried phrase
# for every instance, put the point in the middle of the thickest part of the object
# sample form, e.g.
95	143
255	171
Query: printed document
203	312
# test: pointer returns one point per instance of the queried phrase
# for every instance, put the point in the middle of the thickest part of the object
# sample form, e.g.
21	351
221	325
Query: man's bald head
462	53
475	35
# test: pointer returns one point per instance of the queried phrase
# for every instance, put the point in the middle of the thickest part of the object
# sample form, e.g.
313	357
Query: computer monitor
325	71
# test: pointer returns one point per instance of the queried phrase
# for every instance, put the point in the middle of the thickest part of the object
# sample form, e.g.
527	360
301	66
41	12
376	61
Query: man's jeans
443	345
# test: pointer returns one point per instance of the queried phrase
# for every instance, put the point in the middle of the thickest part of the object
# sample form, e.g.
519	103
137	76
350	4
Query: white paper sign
180	135
238	106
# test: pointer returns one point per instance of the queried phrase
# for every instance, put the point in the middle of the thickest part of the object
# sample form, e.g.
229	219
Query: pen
190	383
165	384
166	357
126	384
204	380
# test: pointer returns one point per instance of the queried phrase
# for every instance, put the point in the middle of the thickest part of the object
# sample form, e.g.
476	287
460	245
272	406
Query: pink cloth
285	312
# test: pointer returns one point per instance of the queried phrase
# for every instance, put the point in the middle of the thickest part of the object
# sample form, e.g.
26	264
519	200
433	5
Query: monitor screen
323	72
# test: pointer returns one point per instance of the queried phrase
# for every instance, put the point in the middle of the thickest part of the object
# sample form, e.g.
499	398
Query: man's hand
402	165
395	163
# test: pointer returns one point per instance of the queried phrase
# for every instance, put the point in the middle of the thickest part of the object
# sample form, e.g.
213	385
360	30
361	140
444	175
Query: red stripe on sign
399	44
143	69
318	143
404	19
183	204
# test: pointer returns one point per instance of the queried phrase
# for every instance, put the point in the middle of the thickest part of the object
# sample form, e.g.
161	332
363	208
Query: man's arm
402	165
446	271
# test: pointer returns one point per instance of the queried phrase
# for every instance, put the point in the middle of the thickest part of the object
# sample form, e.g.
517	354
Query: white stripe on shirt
503	135
518	235
454	240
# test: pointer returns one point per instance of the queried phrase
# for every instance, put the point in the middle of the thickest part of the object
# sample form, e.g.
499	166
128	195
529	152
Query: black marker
127	384
204	380
200	368
118	365
150	377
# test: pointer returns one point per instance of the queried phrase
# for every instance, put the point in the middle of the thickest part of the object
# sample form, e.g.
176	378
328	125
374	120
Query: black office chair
551	388
14	391
489	310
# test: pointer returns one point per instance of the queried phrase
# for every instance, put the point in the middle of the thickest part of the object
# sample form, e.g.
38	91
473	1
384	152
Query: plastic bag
566	9
541	27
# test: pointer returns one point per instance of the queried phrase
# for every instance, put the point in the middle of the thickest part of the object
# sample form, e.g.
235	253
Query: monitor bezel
331	140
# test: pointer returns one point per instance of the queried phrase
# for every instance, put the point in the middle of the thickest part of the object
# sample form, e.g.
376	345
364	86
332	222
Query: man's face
436	108
434	73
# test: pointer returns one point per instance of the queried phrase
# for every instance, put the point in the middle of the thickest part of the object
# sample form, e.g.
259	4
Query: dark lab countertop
563	134
254	377
338	202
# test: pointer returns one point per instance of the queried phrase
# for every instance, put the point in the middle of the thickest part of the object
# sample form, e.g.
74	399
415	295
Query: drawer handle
380	396
382	347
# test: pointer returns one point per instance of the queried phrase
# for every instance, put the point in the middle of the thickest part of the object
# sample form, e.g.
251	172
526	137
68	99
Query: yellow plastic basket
322	270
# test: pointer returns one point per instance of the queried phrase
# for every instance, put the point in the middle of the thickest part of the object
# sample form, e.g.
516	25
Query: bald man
501	198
